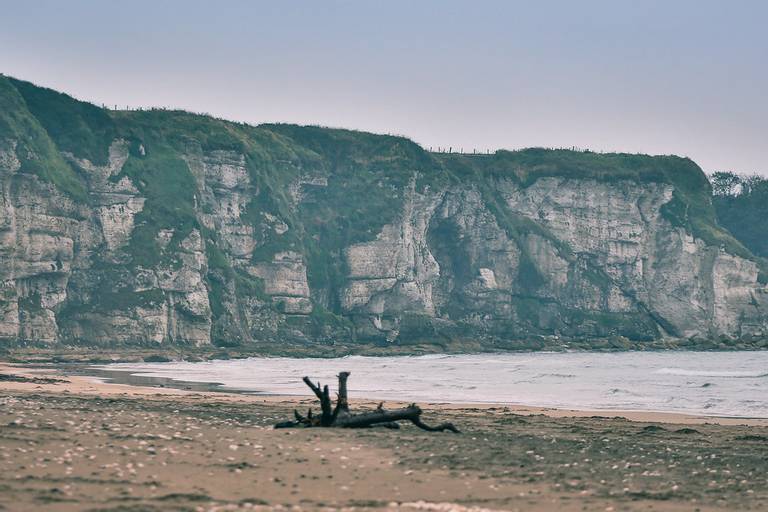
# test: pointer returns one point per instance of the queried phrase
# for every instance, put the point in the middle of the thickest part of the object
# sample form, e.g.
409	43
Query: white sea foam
725	383
714	373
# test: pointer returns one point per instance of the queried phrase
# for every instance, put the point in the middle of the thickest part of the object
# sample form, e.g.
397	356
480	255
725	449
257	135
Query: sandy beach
73	443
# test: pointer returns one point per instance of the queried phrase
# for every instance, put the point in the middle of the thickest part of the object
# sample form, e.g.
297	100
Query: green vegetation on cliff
690	208
50	121
741	203
37	153
289	201
77	127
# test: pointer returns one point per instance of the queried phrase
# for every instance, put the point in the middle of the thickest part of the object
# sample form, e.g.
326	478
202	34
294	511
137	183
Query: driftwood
339	415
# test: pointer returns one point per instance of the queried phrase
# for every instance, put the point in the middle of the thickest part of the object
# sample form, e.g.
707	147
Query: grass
37	153
164	179
77	127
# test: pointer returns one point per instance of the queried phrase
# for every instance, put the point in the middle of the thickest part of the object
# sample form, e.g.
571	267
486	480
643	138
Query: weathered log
411	413
366	419
392	425
340	416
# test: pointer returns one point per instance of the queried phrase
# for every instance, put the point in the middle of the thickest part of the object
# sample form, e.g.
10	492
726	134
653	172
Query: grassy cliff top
86	130
49	122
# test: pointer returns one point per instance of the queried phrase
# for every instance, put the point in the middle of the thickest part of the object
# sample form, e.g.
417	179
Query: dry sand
77	444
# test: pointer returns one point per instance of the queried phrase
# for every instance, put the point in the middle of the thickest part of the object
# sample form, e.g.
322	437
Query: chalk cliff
164	227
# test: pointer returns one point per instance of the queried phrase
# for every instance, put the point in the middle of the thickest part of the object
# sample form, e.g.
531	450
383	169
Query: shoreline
31	354
92	384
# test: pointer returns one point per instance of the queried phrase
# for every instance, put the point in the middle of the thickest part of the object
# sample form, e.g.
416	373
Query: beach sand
73	443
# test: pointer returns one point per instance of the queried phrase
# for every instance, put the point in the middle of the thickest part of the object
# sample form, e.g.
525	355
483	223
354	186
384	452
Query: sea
733	384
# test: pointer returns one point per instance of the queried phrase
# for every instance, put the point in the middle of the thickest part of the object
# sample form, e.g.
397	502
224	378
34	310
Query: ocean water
711	383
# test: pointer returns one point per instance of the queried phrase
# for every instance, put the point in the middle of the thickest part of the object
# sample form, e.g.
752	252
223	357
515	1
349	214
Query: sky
661	77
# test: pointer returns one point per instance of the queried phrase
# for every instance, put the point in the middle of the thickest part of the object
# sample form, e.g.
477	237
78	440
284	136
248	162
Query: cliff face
166	227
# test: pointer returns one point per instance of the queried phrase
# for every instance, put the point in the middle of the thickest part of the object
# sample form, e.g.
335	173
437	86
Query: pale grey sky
687	77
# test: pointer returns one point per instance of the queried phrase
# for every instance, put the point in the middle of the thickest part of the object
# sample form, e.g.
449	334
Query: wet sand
76	444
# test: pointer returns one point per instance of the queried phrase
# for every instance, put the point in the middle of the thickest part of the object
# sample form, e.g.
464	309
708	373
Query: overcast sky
660	77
